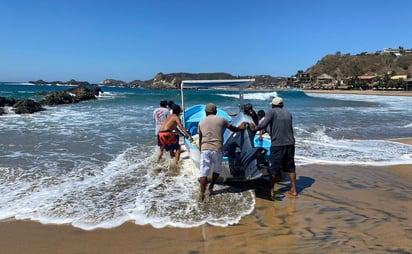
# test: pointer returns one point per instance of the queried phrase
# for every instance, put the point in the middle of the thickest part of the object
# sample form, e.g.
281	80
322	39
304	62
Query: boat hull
245	156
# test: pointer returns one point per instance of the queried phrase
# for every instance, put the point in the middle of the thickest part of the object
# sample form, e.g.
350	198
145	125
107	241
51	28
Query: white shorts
209	159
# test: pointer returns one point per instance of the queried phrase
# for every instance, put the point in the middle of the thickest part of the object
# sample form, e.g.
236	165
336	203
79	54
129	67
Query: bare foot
210	191
272	193
159	155
293	194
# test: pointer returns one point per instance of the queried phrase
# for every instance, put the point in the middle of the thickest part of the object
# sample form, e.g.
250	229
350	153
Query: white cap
277	101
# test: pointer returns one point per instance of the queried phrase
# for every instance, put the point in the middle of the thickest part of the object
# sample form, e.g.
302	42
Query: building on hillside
370	80
408	86
325	81
325	78
396	52
396	77
400	82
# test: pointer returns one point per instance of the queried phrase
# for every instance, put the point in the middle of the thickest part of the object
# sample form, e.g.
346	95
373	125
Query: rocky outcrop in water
71	82
29	106
6	102
25	106
72	95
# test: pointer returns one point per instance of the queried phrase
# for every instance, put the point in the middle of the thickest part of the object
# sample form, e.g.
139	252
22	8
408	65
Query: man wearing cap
160	114
282	149
211	131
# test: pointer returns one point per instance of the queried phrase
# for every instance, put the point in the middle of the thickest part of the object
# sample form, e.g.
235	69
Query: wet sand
340	209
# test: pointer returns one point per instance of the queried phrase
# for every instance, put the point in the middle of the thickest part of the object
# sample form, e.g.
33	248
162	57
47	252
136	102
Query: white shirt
159	116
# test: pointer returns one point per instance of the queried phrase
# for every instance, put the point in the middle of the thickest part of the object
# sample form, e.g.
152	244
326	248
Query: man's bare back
171	123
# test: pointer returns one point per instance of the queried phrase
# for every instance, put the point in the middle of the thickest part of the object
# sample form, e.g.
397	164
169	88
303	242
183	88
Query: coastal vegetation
387	69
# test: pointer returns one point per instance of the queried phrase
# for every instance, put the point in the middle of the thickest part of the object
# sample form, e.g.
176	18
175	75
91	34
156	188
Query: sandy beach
340	209
363	92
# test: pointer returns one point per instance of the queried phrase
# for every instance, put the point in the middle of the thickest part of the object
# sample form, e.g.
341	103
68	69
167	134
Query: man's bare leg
272	186
203	183
161	150
172	153
177	155
215	176
293	190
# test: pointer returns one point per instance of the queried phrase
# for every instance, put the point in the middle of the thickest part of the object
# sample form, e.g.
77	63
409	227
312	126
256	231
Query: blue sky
92	40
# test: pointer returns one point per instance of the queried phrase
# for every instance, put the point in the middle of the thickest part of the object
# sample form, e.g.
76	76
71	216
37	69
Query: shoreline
407	141
335	91
340	209
362	92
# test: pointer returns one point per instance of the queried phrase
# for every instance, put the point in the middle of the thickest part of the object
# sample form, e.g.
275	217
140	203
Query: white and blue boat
245	156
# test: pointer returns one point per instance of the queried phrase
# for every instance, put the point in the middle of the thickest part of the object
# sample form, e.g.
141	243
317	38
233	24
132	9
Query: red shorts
167	138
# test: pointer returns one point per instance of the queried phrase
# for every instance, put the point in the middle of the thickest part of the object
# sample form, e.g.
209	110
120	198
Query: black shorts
282	158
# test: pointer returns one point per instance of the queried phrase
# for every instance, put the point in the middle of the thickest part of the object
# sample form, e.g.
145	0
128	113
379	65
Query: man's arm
183	129
200	139
241	127
261	135
261	125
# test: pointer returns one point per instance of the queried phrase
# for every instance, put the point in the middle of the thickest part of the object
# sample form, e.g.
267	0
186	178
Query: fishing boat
245	155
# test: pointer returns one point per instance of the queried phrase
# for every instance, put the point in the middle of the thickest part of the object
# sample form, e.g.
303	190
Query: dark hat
170	103
211	108
261	113
247	107
176	109
163	103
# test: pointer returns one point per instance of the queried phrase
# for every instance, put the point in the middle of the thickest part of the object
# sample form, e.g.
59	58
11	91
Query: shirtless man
168	130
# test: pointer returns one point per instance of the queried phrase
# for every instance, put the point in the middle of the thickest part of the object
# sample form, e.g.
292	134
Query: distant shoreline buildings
397	52
387	69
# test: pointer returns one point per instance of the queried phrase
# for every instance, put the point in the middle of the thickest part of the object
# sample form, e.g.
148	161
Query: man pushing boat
168	133
211	131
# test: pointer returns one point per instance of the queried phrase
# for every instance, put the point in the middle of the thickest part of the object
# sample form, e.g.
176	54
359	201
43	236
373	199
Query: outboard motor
245	160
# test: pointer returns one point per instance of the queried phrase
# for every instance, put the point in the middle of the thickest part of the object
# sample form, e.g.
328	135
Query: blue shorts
282	158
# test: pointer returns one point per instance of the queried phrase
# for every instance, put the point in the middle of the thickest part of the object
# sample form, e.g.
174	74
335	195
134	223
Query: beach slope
340	209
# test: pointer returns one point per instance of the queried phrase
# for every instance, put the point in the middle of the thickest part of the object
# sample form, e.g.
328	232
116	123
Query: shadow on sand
261	186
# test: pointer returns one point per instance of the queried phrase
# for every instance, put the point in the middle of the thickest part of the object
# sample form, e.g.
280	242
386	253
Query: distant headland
173	80
388	69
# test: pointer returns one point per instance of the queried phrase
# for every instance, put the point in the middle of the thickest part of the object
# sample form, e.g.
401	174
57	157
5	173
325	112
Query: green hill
346	66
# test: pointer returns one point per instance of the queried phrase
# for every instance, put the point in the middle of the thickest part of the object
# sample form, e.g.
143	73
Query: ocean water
93	165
